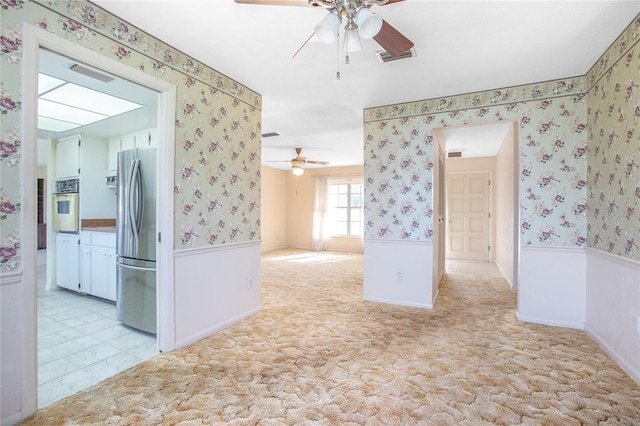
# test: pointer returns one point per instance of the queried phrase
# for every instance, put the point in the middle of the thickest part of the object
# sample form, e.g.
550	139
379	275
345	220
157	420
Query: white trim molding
215	249
552	286
613	307
398	272
10	278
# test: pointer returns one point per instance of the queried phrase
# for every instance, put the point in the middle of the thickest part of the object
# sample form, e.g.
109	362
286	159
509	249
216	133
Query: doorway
35	42
482	233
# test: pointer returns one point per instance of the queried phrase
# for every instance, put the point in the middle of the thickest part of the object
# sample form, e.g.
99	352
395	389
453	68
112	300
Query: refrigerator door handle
136	268
139	196
135	195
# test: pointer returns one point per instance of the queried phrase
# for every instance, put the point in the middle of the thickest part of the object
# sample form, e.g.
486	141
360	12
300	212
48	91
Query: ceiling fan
360	23
299	161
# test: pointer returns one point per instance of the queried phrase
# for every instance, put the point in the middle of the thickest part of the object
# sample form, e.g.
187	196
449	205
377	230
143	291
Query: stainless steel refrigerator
136	239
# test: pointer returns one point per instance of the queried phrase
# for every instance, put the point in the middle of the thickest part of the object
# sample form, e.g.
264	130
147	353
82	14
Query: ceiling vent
91	73
270	134
384	56
454	154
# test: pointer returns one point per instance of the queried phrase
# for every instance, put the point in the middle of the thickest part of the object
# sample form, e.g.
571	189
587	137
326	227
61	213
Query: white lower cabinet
68	261
99	264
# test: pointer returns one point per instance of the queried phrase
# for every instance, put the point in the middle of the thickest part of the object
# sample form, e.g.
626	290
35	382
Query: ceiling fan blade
392	2
304	3
324	163
392	40
309	48
278	161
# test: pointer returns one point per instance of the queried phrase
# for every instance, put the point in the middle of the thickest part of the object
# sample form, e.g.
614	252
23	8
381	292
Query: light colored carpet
318	354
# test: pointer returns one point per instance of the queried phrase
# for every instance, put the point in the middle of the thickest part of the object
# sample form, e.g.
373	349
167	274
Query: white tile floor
472	267
80	342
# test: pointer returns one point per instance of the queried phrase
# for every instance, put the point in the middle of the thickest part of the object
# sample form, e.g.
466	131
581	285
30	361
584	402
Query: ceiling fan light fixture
297	170
369	24
327	29
351	41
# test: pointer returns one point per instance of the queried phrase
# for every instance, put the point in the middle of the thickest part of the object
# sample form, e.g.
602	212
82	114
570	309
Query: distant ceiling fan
360	23
299	161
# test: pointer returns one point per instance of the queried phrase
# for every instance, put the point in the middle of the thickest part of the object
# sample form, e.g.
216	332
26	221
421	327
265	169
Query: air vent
91	73
454	154
384	56
270	134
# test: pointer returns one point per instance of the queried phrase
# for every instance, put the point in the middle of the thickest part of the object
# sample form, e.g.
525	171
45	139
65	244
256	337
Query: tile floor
80	342
472	267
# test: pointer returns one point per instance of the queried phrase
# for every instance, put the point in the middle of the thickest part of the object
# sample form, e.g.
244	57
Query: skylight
65	106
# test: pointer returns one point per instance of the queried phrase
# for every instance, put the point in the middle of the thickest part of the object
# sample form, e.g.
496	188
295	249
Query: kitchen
89	326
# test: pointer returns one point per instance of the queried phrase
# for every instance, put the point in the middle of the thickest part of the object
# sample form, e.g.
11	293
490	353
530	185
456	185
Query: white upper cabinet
114	148
68	157
139	139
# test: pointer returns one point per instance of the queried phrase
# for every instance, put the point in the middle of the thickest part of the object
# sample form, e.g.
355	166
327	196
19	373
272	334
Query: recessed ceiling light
46	83
67	105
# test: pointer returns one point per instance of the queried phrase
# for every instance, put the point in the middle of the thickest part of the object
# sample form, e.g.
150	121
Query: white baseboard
12	419
628	368
398	302
217	327
543	321
505	276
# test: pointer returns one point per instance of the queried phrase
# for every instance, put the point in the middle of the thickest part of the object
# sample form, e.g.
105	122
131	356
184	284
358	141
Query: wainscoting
613	308
552	286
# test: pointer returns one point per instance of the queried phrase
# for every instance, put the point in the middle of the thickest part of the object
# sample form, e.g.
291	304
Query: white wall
10	349
215	288
613	307
399	273
553	294
273	208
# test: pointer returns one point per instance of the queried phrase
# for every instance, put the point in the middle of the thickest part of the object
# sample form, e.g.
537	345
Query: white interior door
468	213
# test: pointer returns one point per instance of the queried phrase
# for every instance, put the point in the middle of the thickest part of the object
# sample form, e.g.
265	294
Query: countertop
99	228
99	225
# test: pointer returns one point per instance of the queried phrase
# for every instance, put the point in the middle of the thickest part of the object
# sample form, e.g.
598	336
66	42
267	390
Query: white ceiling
461	46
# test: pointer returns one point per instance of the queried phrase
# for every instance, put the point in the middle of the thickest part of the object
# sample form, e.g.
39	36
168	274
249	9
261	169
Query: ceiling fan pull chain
338	54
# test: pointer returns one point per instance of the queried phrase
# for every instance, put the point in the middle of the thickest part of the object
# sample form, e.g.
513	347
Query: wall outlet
399	276
250	282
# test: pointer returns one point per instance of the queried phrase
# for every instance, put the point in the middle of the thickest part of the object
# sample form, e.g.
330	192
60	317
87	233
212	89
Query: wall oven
66	206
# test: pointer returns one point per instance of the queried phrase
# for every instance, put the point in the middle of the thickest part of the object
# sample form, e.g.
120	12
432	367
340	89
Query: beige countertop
99	228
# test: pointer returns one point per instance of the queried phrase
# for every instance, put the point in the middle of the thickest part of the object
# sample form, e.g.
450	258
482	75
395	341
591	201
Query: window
346	213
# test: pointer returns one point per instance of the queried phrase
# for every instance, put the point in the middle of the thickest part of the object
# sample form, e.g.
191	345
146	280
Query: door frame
33	39
515	140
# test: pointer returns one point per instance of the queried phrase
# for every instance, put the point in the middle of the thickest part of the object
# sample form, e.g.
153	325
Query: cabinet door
100	272
114	148
85	283
127	142
112	275
68	157
142	139
68	261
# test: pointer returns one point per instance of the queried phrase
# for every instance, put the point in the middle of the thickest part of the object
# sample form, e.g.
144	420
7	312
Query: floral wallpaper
614	157
553	156
579	142
217	153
